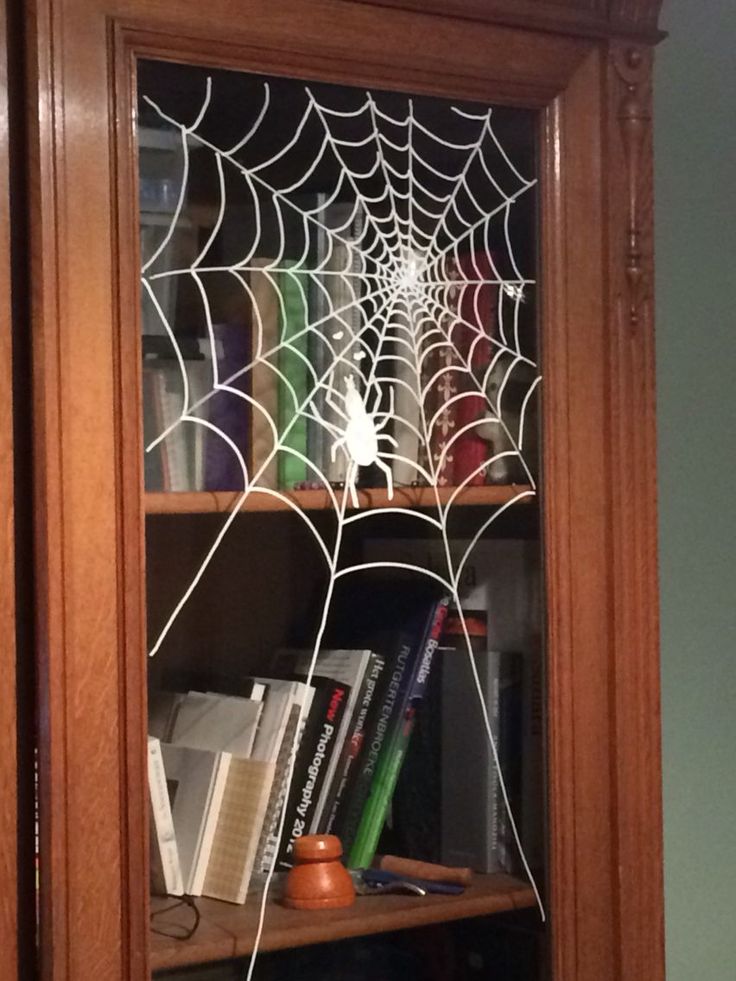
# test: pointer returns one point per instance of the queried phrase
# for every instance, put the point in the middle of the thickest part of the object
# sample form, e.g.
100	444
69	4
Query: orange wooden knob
317	848
318	880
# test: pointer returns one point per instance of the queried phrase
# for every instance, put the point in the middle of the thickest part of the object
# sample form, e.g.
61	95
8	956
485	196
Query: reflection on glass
337	286
339	329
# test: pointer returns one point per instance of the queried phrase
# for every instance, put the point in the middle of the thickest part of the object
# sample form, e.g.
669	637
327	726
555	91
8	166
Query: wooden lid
317	848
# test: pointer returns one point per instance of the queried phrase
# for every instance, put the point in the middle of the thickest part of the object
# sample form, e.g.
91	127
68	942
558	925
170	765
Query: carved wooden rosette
634	117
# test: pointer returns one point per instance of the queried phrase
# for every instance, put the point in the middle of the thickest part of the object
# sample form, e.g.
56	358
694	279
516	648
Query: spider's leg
389	439
335	407
389	477
335	446
376	401
351	478
383	417
381	421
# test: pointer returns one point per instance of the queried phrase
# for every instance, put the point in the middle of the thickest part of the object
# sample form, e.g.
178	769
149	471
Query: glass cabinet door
342	490
340	429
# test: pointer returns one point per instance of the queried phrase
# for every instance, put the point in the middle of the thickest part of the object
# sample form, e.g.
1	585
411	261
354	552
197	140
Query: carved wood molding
635	14
581	18
632	479
634	117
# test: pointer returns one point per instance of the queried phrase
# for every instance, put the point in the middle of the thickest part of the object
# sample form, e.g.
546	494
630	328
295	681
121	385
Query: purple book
227	411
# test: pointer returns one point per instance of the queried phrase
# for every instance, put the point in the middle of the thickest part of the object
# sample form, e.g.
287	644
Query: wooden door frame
605	812
8	715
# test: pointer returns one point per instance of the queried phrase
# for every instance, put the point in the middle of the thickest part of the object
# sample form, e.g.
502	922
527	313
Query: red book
472	339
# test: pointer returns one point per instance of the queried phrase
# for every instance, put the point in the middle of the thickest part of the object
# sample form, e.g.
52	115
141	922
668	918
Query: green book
294	380
394	750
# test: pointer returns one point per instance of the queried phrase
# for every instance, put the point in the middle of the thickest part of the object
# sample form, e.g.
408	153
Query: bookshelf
571	92
227	931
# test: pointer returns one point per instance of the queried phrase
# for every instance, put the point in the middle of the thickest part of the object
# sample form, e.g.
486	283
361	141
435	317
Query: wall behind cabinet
695	161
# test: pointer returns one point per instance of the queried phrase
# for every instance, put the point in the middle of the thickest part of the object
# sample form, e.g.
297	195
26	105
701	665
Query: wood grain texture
332	40
228	930
602	697
575	502
631	441
582	18
75	508
8	795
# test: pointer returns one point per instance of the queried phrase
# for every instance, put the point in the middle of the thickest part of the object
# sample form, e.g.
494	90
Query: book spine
153	463
227	411
343	329
317	746
348	820
532	756
473	340
317	348
268	839
407	419
200	383
158	387
293	378
262	377
494	802
392	754
439	381
172	402
207	829
163	824
241	816
509	750
354	743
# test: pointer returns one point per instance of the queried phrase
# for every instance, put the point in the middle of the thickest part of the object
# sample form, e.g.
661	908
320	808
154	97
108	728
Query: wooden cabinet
109	554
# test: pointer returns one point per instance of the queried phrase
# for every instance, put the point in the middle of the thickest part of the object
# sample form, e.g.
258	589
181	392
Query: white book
238	830
221	723
278	742
281	695
162	709
196	780
348	667
407	417
165	866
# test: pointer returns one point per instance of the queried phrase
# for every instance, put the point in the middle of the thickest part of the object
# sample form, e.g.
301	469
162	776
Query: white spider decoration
362	434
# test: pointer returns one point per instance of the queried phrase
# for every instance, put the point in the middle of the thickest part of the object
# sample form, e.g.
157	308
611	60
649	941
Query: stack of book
235	779
262	387
439	815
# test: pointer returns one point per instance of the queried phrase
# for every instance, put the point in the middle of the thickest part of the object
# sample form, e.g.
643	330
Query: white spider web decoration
419	310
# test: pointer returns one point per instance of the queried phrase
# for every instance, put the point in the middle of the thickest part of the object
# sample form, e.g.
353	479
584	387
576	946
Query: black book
391	615
369	692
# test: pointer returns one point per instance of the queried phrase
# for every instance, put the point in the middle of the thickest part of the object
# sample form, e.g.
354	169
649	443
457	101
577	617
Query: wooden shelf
227	930
210	502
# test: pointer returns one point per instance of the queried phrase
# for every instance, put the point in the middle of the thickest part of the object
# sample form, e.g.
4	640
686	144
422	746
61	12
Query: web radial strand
397	274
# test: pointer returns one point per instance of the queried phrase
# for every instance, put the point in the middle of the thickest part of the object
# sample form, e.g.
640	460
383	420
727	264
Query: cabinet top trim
585	18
